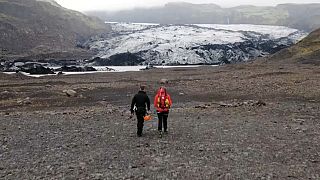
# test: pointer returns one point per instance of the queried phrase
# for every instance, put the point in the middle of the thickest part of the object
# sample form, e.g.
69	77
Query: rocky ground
247	121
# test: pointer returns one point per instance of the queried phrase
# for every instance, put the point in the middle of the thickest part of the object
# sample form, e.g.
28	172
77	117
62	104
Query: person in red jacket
162	103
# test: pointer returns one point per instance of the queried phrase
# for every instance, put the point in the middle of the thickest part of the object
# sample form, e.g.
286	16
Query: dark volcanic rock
36	69
122	59
75	69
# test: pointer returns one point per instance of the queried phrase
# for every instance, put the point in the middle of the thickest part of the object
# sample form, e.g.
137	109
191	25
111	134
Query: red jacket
162	100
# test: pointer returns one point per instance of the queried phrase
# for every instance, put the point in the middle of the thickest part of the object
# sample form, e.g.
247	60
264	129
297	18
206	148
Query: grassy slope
306	51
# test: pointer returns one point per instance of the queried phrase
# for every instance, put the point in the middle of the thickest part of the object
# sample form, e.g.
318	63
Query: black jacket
140	100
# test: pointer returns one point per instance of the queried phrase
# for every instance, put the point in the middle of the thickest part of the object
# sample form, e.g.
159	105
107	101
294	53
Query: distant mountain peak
52	2
299	16
187	4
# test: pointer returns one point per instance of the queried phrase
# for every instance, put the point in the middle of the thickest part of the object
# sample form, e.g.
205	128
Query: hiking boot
165	132
139	135
160	134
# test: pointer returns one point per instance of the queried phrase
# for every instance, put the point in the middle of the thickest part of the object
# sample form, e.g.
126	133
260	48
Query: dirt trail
249	121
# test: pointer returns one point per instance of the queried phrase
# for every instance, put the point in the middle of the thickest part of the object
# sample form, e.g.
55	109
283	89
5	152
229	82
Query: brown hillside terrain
307	51
30	27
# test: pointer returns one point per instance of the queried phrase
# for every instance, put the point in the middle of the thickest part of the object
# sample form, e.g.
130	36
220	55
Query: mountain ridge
301	16
32	28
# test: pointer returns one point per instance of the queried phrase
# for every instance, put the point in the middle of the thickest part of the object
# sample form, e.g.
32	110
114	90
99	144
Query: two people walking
141	106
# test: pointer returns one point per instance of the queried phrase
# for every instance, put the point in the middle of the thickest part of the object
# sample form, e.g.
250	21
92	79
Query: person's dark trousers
163	119
140	123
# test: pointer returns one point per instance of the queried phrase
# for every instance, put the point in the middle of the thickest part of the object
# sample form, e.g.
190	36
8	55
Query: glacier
157	44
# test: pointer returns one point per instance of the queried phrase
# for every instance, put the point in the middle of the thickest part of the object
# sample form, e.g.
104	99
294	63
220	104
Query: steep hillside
307	51
34	28
256	15
174	13
301	16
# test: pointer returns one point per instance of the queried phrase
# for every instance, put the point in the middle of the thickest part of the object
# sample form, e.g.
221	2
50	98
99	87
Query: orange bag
147	117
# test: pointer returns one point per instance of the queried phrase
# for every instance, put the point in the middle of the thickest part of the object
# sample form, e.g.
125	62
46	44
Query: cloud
83	5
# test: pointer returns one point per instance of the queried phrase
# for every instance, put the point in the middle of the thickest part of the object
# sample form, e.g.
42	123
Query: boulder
6	95
25	101
70	93
89	68
35	68
164	81
261	103
109	69
148	68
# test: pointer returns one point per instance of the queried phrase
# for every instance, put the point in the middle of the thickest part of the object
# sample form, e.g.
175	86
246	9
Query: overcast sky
84	5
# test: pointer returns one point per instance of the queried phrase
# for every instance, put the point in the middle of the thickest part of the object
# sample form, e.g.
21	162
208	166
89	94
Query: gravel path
235	122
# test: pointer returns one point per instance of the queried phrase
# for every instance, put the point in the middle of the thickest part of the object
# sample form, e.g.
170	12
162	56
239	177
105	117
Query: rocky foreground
252	121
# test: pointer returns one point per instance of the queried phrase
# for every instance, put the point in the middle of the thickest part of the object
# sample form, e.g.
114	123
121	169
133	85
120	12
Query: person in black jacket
140	104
